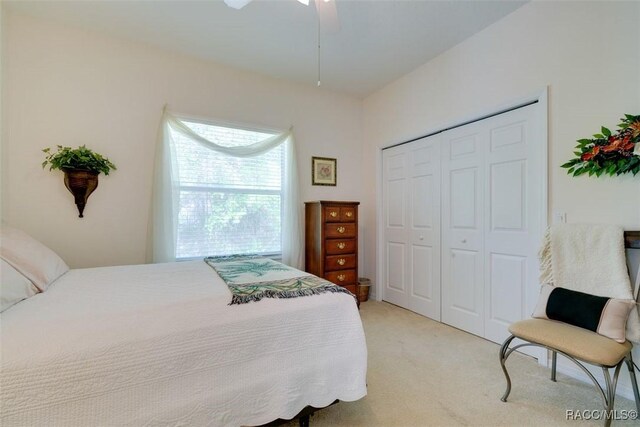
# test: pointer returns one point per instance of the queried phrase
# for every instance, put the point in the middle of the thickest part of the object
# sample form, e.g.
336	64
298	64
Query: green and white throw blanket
252	277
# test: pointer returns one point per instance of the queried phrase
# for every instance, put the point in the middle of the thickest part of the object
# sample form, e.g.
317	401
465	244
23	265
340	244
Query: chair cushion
606	316
580	343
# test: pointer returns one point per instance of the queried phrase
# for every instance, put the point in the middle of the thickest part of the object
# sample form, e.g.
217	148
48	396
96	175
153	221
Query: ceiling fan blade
328	15
237	4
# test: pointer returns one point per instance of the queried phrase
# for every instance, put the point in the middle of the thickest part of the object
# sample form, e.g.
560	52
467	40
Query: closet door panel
508	181
512	213
465	284
395	286
464	203
411	209
462	228
395	268
421	270
507	275
424	230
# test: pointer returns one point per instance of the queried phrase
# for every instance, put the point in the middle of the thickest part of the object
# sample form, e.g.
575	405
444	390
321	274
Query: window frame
249	128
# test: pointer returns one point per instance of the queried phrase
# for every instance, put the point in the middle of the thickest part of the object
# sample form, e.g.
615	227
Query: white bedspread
157	344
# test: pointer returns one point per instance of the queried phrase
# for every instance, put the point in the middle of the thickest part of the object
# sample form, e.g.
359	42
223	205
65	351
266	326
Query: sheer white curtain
165	204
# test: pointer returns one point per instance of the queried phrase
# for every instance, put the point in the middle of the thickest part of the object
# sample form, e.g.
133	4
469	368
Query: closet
463	214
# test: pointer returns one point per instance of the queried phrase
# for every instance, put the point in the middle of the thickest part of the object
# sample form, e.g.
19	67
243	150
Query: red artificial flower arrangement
609	153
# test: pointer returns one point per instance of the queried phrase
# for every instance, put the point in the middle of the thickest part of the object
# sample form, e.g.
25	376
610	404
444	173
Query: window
228	205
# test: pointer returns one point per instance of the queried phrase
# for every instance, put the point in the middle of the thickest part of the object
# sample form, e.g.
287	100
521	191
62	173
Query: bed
159	344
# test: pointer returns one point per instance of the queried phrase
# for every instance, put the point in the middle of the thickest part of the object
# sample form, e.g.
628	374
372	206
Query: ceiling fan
327	13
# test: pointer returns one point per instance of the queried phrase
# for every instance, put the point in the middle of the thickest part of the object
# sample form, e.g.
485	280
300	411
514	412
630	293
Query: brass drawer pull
341	245
349	214
341	277
333	214
341	261
341	230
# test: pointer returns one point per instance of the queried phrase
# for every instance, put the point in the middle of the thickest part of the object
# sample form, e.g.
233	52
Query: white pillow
31	258
14	287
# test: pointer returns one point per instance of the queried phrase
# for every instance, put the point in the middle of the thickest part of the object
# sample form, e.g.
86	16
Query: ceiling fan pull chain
318	50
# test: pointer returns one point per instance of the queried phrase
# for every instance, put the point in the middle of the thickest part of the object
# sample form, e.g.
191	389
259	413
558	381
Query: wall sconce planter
81	184
81	167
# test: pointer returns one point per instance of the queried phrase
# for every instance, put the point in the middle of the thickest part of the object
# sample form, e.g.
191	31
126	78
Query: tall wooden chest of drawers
331	241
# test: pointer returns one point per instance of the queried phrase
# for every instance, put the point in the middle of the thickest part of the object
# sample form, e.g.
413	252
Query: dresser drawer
341	277
339	214
332	214
339	262
347	214
340	246
340	230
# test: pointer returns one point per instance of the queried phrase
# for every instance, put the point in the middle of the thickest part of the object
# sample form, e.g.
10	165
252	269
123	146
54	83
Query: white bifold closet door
463	214
492	208
411	191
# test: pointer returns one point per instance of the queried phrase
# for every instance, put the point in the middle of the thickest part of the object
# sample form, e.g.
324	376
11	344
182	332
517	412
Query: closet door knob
464	240
421	237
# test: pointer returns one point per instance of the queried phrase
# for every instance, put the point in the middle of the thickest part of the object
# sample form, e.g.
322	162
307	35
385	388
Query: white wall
71	87
588	55
65	86
2	20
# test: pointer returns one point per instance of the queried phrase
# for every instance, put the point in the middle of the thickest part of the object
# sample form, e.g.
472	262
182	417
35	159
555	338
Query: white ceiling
378	40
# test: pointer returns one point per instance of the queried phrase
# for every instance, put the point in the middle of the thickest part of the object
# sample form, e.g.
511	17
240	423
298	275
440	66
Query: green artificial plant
81	158
610	153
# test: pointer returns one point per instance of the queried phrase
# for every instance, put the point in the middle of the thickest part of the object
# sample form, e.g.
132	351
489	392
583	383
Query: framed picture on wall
323	171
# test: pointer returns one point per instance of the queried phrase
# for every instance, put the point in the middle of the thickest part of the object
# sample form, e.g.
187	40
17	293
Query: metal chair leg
554	360
607	393
609	400
505	352
503	358
634	381
611	386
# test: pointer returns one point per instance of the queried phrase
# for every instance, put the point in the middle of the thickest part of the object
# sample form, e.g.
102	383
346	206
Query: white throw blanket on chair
589	258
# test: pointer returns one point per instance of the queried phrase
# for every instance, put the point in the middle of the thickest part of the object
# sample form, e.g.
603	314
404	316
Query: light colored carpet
424	373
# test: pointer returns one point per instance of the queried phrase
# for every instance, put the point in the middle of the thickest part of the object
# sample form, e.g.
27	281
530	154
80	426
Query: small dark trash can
364	285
